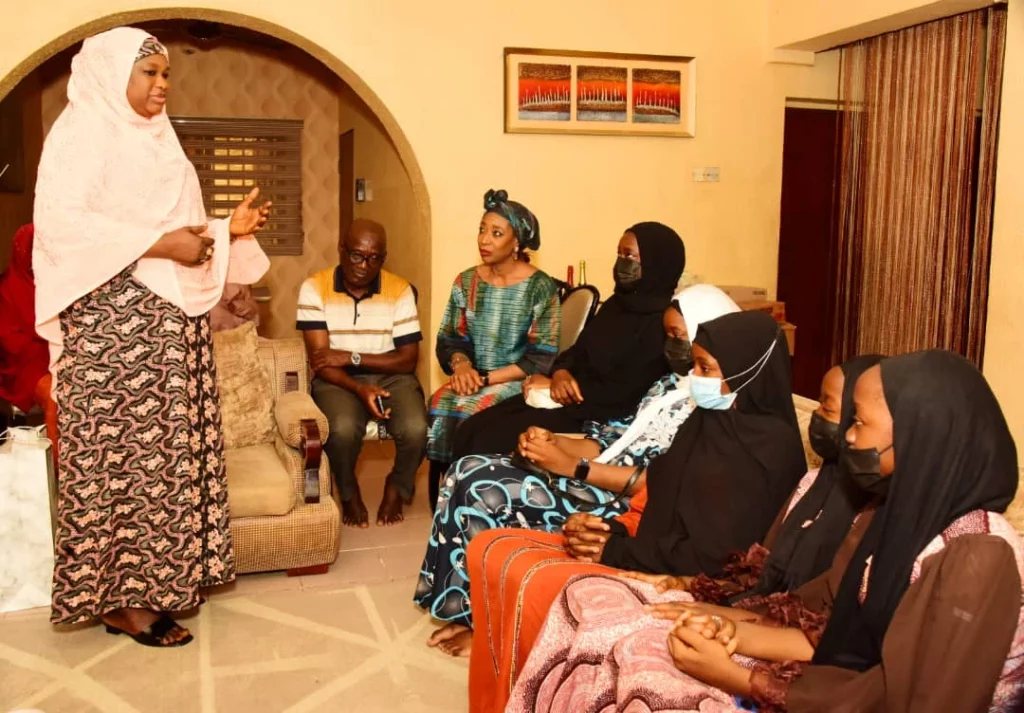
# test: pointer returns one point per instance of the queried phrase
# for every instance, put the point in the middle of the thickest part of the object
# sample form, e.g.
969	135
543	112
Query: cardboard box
740	293
776	309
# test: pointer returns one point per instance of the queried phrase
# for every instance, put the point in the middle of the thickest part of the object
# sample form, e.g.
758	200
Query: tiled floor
349	640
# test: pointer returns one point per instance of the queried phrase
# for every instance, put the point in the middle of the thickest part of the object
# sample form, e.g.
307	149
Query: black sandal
153	634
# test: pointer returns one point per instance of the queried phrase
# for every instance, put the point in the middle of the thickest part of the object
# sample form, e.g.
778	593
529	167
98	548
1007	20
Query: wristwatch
485	376
582	471
356	359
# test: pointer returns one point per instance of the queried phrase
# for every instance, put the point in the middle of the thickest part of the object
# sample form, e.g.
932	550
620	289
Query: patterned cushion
293	407
258	483
246	399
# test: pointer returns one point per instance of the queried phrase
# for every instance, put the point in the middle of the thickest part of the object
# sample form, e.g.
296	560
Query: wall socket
706	175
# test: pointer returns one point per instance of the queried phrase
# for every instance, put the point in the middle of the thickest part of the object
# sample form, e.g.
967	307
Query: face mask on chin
627	273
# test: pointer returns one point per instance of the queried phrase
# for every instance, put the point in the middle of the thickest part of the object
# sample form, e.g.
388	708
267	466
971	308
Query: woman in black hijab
805	537
619	354
733	463
927	616
801	551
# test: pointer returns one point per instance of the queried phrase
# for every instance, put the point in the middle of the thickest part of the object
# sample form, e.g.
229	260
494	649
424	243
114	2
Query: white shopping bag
26	534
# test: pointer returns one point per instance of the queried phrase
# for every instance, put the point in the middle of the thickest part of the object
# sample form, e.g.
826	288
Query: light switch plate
706	175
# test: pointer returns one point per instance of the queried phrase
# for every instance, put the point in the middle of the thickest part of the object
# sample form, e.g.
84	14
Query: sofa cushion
805	407
290	410
246	398
258	483
1015	513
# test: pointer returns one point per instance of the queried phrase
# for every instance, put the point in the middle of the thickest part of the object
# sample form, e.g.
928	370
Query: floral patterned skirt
142	507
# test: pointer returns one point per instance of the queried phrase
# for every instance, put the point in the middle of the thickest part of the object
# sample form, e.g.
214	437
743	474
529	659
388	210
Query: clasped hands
703	637
541	446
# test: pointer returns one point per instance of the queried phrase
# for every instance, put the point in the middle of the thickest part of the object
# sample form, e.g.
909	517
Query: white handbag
26	520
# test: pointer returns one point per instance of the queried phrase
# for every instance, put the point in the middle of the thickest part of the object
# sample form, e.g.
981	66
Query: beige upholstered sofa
804	408
279	489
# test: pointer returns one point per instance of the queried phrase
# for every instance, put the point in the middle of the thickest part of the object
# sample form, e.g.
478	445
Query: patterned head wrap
151	45
524	223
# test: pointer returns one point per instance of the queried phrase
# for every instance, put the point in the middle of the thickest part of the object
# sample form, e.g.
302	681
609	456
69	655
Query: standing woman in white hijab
127	269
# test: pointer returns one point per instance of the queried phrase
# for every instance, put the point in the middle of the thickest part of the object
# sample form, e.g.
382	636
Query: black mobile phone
379	400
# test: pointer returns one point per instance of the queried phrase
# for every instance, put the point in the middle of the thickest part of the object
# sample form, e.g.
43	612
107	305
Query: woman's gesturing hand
247	218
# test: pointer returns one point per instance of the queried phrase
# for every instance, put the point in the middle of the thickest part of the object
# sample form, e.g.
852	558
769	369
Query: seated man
362	335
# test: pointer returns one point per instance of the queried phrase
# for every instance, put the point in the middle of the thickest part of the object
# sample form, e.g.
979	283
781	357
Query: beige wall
393	206
1004	342
822	24
438	76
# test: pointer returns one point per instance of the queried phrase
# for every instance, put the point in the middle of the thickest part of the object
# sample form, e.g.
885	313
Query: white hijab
111	183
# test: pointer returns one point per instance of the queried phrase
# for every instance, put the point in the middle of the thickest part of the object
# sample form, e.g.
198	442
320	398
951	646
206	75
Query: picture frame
599	93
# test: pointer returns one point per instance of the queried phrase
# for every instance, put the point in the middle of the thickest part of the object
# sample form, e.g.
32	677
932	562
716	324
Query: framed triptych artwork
567	92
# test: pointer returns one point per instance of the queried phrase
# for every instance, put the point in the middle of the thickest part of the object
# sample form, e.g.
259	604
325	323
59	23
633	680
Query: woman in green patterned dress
501	324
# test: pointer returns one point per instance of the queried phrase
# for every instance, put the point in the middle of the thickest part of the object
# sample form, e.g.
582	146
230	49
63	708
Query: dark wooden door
805	238
347	185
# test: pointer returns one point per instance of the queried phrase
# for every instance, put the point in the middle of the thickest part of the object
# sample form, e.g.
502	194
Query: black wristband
582	471
485	376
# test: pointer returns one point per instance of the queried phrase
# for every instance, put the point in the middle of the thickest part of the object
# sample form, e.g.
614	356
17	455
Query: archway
334	63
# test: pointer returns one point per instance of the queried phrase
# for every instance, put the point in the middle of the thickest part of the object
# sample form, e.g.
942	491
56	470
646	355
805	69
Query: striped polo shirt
380	321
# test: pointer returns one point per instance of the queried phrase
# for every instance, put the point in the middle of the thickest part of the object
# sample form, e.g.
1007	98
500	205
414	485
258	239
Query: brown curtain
914	190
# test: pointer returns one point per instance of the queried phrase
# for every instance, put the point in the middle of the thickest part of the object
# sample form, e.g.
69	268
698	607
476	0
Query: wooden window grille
233	155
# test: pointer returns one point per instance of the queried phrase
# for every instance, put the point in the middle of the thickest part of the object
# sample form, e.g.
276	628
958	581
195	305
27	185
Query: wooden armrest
312	452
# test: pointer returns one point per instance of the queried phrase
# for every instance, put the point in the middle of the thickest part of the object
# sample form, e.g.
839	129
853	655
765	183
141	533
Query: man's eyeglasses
357	258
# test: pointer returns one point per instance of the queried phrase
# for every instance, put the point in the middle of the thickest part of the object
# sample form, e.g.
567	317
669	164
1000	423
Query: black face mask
627	272
825	438
864	466
679	354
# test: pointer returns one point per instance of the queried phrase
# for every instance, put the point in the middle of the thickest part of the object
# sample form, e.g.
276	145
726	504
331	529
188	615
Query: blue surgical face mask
706	391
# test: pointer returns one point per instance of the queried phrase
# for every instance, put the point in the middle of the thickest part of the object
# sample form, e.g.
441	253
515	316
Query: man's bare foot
390	510
135	621
354	512
459	645
446	632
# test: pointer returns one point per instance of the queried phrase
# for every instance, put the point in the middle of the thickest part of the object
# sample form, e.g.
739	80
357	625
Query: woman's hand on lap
549	456
534	433
708	661
465	380
585	536
661	582
564	388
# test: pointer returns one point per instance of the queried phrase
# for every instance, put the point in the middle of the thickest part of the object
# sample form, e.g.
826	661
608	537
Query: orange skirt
514	576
